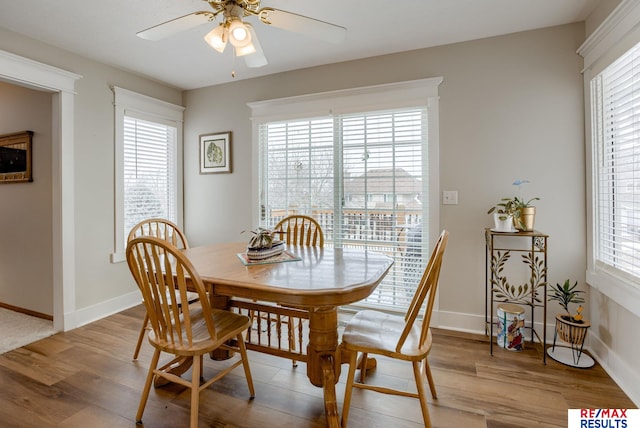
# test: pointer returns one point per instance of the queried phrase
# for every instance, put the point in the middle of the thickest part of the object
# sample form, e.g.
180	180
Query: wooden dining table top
322	276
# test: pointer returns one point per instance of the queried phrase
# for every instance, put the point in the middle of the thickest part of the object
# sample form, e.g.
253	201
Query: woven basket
571	332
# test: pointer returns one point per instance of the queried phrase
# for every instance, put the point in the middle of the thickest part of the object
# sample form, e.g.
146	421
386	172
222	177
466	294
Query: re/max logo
603	413
603	418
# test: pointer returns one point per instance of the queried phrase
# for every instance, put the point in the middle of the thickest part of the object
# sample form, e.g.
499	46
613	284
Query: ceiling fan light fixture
246	50
239	34
217	38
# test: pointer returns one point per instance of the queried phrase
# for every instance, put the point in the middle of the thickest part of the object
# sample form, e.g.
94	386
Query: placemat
285	256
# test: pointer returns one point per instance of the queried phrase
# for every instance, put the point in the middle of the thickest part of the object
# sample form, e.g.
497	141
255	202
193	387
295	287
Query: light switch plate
450	197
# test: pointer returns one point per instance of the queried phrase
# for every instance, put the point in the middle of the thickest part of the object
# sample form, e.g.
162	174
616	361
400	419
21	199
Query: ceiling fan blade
257	58
177	25
303	24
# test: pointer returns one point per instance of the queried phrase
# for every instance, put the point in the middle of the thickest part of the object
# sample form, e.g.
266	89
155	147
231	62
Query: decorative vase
503	222
526	219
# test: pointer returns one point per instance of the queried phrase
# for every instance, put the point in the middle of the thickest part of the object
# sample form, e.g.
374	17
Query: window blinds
616	120
150	162
363	177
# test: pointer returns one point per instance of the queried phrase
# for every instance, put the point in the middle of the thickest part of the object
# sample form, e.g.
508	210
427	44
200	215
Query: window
150	181
612	79
363	174
148	163
616	121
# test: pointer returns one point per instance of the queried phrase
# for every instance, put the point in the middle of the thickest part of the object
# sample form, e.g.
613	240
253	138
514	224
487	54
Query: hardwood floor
85	378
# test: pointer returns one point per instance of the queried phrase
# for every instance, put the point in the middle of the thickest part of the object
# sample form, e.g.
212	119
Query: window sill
117	257
615	288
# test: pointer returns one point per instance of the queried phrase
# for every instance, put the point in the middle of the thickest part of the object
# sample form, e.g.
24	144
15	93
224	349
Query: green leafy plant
505	208
511	206
262	238
566	294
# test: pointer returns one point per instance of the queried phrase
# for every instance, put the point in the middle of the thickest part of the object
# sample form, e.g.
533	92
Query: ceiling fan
241	34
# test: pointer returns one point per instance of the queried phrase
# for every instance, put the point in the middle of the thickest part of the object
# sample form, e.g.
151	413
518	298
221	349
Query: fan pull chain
233	65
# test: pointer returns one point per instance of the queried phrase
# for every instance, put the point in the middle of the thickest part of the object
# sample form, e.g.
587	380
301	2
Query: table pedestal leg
323	364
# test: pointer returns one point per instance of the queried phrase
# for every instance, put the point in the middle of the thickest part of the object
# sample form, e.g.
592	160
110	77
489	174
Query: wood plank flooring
85	378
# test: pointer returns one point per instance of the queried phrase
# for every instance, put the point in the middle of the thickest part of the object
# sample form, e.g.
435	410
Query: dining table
314	281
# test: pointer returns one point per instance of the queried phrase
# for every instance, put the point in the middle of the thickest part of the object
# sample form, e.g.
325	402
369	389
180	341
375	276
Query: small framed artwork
215	153
15	157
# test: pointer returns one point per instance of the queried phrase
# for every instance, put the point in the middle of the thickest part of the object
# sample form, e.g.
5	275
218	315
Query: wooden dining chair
163	273
170	232
403	338
298	230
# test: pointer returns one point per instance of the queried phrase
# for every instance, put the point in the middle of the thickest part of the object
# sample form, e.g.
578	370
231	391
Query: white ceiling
106	31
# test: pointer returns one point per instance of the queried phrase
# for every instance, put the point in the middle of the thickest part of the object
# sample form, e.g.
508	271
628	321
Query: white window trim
132	103
618	33
367	98
379	97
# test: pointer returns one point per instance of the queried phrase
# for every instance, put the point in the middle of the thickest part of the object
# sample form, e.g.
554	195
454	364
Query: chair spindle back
163	274
300	230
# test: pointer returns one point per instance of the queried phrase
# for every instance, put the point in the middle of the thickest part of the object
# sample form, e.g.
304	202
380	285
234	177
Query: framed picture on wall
215	153
15	157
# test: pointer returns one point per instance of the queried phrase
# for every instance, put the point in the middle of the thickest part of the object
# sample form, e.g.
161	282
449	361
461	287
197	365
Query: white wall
26	268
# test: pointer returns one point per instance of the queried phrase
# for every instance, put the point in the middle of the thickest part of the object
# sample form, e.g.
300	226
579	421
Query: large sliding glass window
364	176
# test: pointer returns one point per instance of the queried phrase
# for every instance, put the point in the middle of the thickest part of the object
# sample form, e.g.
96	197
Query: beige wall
510	107
599	14
100	286
26	268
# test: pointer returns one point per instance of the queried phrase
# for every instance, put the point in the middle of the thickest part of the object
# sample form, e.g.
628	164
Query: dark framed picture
215	153
15	157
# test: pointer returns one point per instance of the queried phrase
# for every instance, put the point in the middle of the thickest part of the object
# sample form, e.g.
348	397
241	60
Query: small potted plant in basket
570	327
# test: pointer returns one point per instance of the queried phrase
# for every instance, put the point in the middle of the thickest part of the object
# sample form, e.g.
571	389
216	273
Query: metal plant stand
571	355
532	247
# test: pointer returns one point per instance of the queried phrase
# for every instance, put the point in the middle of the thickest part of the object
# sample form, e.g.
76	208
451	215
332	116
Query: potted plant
504	213
526	214
521	212
571	328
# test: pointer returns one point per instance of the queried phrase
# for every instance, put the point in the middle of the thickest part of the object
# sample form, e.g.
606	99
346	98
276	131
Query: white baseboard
627	378
93	313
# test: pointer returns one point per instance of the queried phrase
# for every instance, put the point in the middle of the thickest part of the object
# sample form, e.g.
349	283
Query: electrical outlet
450	197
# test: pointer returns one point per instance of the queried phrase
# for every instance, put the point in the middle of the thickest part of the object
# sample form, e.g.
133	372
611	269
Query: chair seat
226	323
378	333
